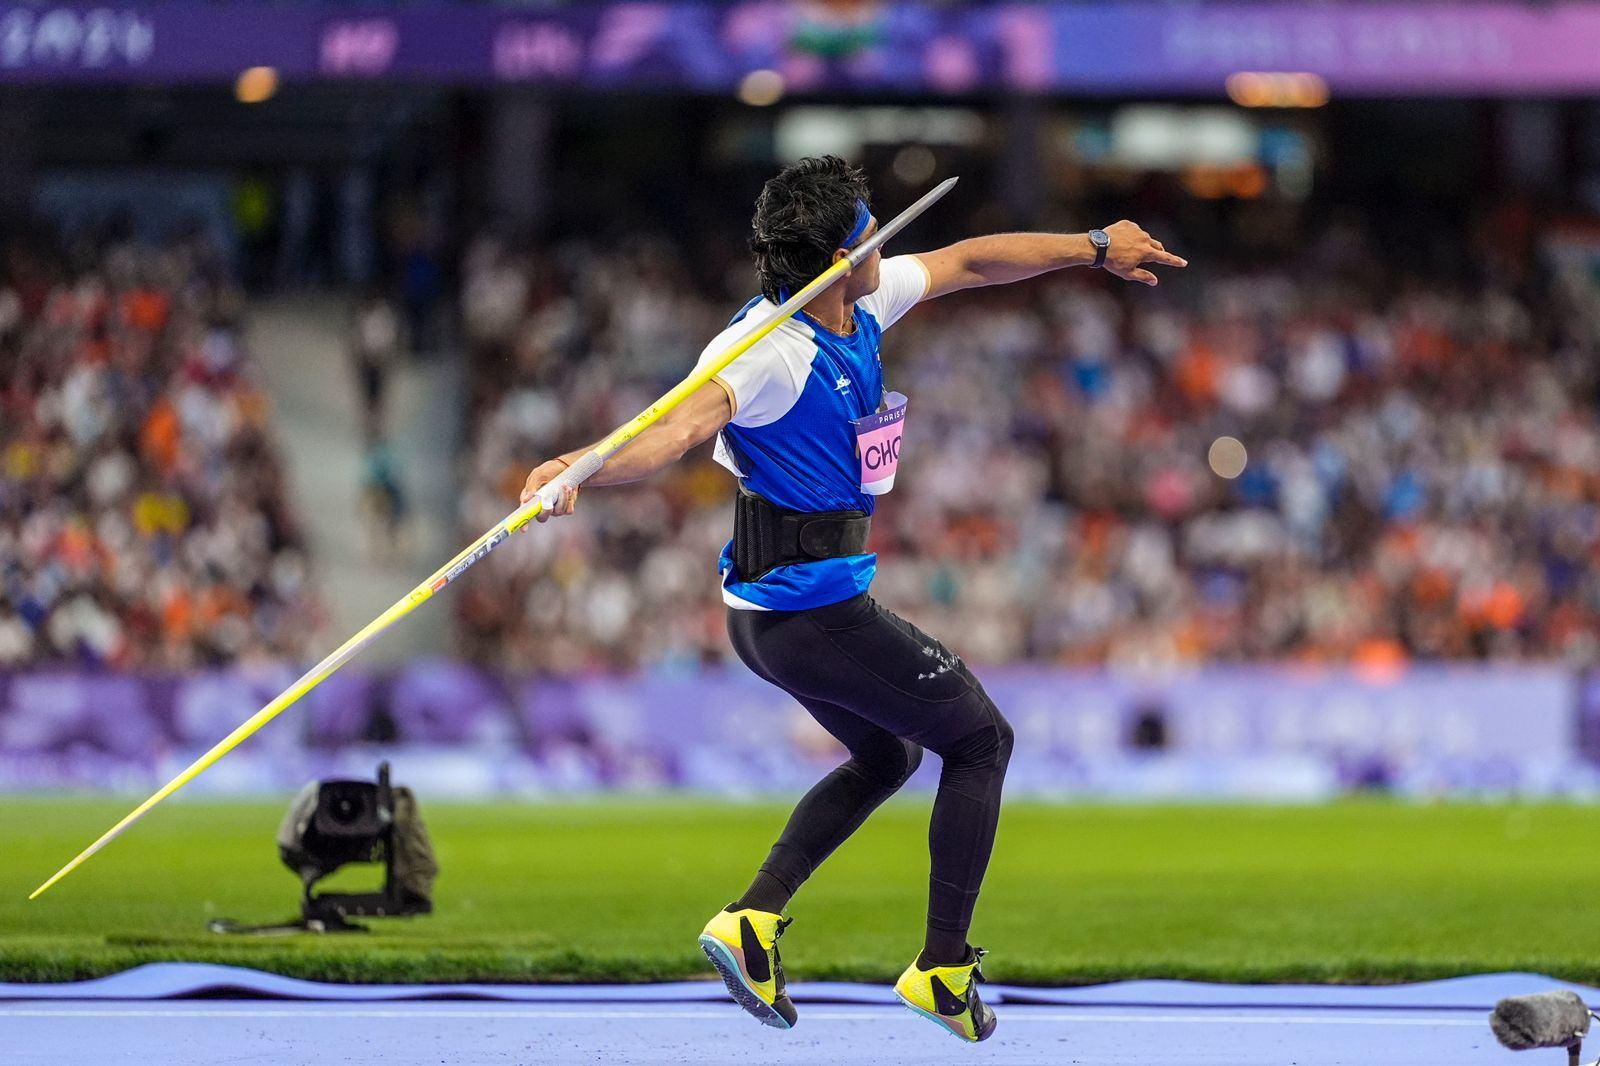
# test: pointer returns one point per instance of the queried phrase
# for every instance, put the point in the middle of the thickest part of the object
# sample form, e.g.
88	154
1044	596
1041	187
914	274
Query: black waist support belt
766	536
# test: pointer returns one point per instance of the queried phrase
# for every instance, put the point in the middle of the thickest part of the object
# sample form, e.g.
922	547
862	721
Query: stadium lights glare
1246	181
1258	89
914	164
256	85
1227	457
761	88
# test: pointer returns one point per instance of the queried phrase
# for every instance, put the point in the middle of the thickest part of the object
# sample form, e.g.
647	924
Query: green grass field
618	890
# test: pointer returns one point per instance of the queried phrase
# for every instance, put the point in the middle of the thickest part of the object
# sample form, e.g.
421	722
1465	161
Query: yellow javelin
579	472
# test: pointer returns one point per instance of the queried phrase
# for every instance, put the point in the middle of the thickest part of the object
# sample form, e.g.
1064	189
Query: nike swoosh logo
945	1001
755	956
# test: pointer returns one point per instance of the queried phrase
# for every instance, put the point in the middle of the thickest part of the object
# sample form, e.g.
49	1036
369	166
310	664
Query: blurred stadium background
294	294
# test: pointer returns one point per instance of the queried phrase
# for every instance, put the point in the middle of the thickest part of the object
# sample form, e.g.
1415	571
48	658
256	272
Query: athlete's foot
743	946
948	996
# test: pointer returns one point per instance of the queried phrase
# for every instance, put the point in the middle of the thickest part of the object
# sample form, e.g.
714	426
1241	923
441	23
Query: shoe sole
733	975
938	1020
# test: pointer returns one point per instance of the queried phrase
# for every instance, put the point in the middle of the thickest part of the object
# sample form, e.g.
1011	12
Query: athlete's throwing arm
970	264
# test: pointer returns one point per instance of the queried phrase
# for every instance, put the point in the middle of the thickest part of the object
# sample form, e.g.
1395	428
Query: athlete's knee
1005	740
889	765
913	759
986	748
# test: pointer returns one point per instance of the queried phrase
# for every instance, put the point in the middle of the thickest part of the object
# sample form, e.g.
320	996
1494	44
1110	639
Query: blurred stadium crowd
1423	477
144	521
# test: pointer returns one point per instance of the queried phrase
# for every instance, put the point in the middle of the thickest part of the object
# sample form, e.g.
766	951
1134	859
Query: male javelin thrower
804	422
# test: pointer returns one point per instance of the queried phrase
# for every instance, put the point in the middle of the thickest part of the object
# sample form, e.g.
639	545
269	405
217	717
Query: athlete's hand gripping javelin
979	261
696	419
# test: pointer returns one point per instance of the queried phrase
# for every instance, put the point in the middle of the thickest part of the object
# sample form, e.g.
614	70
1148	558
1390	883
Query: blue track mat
150	1014
188	980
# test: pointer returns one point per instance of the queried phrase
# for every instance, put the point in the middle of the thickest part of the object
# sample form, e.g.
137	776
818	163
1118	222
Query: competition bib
878	444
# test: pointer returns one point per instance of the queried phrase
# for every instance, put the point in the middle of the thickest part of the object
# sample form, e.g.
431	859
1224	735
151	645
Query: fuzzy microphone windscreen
1549	1019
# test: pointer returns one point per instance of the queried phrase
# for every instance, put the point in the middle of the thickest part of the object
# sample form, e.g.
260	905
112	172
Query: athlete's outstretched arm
707	410
1007	257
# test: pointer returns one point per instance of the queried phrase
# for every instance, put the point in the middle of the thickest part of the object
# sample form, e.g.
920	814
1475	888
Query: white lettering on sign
1379	40
359	46
627	32
540	49
1442	41
67	37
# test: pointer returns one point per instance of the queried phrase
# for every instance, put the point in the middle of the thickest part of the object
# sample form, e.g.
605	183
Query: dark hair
803	216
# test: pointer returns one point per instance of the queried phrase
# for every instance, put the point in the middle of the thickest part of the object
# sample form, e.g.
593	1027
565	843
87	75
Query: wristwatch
1102	244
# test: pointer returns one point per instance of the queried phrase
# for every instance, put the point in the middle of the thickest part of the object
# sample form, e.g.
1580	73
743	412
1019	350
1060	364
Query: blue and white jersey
791	439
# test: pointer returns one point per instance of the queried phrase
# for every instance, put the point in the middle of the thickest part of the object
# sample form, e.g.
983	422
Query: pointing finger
1166	258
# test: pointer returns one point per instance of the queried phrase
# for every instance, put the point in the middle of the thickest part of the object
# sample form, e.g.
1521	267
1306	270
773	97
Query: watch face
1099	238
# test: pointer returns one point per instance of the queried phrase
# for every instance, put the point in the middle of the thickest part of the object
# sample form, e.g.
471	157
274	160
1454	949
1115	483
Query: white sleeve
763	383
902	283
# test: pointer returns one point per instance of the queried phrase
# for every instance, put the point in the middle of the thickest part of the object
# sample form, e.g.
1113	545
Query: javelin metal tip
900	221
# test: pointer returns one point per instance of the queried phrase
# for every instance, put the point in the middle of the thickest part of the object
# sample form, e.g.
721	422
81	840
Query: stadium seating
1407	496
143	517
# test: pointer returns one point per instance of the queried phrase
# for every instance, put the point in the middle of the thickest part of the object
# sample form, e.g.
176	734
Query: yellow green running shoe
743	946
948	995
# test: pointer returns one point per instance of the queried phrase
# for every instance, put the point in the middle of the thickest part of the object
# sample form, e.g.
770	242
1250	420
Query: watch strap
1101	247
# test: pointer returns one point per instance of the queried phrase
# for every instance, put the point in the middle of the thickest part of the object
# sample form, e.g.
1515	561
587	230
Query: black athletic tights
886	690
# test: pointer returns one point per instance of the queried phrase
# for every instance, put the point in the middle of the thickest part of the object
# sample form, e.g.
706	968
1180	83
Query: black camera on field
334	823
347	824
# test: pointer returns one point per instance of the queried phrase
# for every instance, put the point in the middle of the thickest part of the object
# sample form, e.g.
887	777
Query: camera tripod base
334	909
228	926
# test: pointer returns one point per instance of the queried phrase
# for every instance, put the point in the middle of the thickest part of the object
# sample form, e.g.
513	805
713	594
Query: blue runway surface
1109	1025
41	1034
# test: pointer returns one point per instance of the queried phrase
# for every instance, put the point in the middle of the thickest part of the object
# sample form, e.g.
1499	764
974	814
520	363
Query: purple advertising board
1109	48
1260	732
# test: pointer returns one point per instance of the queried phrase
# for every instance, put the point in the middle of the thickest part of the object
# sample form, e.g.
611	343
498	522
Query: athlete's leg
974	741
825	817
966	813
741	941
883	669
836	806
